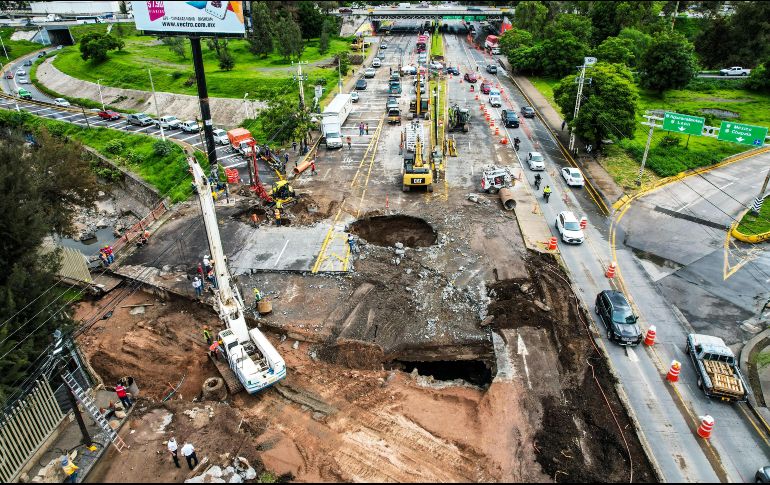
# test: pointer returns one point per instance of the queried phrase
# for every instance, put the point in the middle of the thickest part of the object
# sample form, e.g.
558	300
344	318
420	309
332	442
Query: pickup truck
718	372
734	71
168	122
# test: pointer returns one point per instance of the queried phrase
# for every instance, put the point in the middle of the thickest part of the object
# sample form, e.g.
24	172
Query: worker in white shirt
188	450
172	448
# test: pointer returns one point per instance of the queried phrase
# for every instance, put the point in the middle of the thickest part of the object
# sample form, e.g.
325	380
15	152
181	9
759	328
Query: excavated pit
474	372
411	231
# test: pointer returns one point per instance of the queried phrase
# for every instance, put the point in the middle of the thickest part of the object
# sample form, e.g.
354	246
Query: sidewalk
602	181
760	342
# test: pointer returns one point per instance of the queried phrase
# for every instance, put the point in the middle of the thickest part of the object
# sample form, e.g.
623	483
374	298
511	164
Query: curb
744	365
749	238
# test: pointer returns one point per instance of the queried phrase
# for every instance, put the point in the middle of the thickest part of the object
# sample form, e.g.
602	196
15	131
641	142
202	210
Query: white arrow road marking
522	351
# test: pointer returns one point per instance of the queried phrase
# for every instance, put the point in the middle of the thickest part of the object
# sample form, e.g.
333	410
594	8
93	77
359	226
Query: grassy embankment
15	48
167	173
752	225
666	157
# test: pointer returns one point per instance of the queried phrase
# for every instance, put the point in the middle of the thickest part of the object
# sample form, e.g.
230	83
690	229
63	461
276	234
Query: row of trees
41	196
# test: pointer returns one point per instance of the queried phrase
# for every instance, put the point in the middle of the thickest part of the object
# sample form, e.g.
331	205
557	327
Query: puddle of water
91	246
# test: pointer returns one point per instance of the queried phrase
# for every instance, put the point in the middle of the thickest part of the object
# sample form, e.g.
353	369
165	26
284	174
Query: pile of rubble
238	472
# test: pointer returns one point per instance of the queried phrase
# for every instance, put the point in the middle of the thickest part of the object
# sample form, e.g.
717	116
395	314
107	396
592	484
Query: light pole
245	104
99	83
4	51
157	109
339	72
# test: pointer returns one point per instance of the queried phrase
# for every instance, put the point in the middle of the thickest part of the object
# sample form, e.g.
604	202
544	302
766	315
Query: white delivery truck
333	117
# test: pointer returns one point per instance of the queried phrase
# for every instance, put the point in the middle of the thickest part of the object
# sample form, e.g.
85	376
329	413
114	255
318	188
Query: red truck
240	140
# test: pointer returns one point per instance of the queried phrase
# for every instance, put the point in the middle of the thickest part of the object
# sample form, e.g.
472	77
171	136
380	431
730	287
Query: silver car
535	161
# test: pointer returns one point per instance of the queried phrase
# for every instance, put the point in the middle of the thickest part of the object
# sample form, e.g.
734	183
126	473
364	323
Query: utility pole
339	71
203	97
587	62
757	205
417	86
157	109
651	124
673	19
99	83
300	78
435	114
60	370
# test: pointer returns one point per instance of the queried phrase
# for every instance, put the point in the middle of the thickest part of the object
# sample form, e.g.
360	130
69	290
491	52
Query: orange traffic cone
504	141
492	123
673	371
583	222
497	131
649	339
552	244
611	270
706	426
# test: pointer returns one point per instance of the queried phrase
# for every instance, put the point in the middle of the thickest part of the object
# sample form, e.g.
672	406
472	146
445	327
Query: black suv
618	318
510	119
453	70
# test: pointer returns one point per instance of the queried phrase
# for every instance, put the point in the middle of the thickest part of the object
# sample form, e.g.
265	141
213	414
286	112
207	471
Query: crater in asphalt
475	372
411	231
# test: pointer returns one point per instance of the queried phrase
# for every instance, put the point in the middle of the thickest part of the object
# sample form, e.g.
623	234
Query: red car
485	87
9	75
108	114
470	77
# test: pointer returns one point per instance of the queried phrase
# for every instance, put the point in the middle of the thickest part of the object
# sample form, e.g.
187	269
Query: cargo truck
240	140
333	118
718	372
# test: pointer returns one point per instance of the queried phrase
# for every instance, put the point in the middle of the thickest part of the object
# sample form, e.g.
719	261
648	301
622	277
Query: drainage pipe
301	167
506	197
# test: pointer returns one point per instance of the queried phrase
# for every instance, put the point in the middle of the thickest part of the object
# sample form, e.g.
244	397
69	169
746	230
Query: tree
750	33
177	45
343	59
288	36
527	59
323	42
669	62
609	18
638	41
53	177
226	61
579	26
616	50
562	53
282	120
261	36
310	19
514	39
94	46
216	44
531	16
759	79
608	107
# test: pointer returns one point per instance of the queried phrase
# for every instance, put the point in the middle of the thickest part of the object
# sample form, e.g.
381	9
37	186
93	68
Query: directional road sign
689	125
743	134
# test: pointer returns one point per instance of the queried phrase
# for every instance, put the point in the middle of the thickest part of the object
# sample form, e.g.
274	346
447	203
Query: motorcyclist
538	178
547	193
516	143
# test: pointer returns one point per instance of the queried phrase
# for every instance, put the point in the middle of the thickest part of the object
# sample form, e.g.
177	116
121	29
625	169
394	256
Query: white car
408	70
535	161
21	72
22	80
436	65
370	72
376	62
354	97
569	228
168	122
220	137
572	176
61	102
732	71
190	126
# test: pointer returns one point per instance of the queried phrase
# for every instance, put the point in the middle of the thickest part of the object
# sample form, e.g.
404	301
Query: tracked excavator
250	355
416	171
458	118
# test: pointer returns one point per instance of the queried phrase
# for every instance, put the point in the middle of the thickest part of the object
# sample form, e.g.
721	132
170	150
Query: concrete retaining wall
138	188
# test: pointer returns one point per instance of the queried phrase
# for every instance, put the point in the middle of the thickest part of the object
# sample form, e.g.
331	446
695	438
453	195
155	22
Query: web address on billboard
207	25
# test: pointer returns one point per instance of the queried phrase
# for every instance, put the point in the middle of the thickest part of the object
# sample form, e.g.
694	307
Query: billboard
191	18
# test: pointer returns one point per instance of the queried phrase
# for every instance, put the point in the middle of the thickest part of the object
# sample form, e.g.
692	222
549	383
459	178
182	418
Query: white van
495	101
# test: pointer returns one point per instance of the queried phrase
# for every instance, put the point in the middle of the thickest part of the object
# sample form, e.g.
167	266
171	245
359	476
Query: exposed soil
412	232
304	210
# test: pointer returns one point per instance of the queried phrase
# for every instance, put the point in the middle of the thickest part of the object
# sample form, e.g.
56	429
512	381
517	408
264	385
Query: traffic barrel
491	122
673	371
504	141
552	243
486	117
583	222
706	426
649	339
611	270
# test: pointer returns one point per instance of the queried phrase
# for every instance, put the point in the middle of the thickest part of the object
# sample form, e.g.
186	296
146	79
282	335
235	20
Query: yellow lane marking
375	139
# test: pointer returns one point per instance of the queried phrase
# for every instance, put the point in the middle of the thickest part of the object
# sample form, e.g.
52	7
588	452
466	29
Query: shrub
669	141
132	158
115	147
162	147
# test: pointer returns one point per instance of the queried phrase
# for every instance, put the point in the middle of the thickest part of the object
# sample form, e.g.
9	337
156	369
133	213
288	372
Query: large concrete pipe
506	197
301	168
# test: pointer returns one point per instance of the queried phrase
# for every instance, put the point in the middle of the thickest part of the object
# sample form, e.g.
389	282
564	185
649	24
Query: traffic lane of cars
12	86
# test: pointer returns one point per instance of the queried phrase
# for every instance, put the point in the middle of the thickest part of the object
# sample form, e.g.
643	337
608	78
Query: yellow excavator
416	172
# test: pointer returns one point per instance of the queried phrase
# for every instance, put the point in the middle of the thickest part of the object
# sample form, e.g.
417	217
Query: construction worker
254	219
278	204
70	470
547	193
351	243
173	449
197	285
188	450
312	167
349	143
277	217
213	350
294	145
257	295
123	395
207	334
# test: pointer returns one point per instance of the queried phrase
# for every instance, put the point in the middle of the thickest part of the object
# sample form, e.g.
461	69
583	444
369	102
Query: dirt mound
411	231
306	210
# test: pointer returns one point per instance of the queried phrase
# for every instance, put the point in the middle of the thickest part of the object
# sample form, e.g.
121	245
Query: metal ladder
88	404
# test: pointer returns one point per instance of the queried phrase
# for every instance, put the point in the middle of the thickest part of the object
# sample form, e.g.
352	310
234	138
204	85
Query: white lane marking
281	254
191	136
631	353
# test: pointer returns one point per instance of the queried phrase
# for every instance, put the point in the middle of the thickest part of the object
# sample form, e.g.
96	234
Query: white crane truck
250	355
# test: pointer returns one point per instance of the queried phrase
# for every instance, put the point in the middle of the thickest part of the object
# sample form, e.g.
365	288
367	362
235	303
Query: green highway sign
743	134
686	124
452	17
469	18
